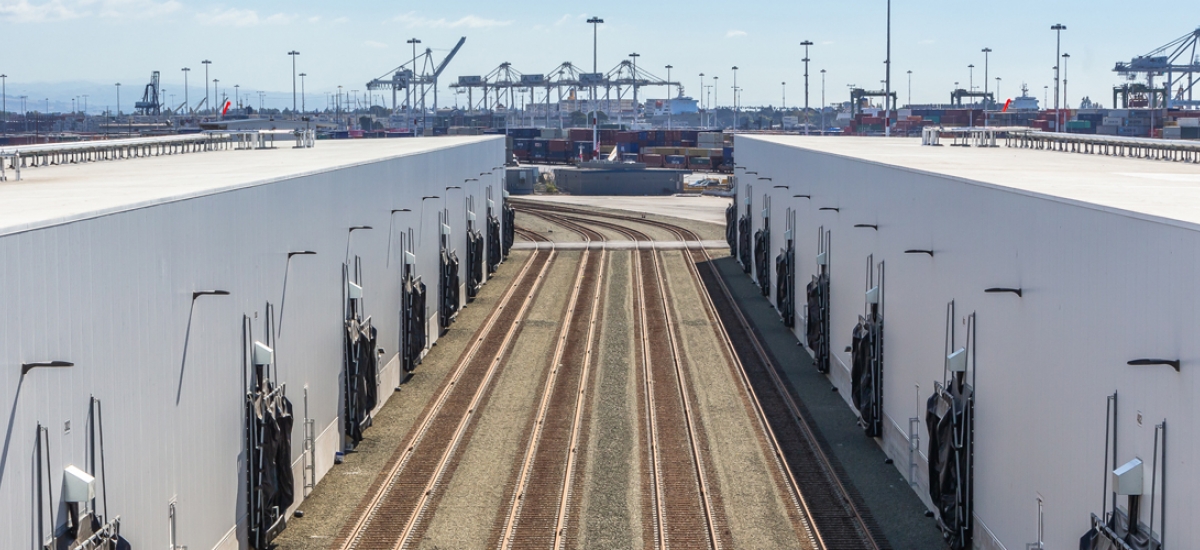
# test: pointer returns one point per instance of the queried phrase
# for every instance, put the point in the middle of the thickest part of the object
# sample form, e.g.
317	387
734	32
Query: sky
60	49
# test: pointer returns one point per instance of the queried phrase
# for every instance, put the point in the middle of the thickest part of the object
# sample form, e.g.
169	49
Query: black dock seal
919	251
1147	362
26	367
1016	291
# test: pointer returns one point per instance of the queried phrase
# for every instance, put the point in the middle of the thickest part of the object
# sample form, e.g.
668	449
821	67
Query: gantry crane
150	104
405	77
1177	61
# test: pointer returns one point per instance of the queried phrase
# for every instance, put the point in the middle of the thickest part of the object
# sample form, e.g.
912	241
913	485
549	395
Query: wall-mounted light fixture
997	290
26	367
867	226
919	251
765	179
1174	363
199	293
283	298
781	187
801	196
835	209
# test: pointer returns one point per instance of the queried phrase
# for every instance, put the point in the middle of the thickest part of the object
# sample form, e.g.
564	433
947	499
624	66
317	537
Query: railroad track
541	498
684	507
831	508
395	506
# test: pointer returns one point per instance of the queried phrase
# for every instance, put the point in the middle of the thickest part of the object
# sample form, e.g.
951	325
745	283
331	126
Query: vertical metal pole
806	44
887	92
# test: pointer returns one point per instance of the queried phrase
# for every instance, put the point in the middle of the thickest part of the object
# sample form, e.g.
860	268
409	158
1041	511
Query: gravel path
467	511
335	497
610	513
755	511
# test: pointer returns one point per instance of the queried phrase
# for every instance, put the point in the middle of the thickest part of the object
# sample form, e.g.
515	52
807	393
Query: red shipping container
559	145
580	134
653	161
626	137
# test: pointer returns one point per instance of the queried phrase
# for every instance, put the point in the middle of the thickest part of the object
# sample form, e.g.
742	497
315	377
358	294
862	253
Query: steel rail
535	440
800	419
377	500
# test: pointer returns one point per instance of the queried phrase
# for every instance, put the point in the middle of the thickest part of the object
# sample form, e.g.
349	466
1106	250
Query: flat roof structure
54	195
1147	189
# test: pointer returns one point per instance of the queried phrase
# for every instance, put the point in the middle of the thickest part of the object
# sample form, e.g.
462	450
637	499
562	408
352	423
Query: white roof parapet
77	152
1027	138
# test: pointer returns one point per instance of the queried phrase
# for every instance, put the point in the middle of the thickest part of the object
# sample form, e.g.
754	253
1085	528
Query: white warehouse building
1079	272
144	284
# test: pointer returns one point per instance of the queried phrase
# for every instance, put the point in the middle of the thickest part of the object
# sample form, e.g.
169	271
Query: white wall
113	294
1100	288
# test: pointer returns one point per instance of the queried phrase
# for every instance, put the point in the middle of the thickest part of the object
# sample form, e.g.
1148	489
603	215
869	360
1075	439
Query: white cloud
735	34
412	20
24	11
342	19
314	19
231	17
374	44
568	18
280	19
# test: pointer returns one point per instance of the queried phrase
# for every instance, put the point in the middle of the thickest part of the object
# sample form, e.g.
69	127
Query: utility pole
293	55
887	87
1058	28
303	108
806	44
206	64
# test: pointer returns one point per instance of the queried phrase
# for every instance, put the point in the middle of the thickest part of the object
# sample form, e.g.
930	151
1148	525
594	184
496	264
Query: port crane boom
1177	61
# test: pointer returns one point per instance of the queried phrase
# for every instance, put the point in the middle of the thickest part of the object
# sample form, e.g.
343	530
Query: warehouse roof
53	195
1162	190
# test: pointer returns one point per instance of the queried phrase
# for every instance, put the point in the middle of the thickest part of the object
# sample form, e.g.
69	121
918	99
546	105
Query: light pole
118	99
186	103
985	51
822	101
997	88
303	108
806	44
887	86
971	77
736	113
237	96
408	90
85	110
910	88
1058	28
716	102
783	104
206	64
293	55
703	104
595	22
1066	104
670	97
634	55
4	99
215	93
1046	94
